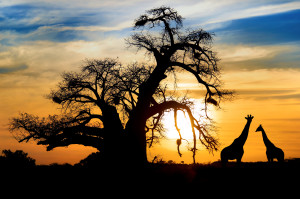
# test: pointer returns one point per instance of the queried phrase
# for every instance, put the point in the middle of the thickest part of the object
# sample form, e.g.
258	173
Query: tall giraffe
272	151
236	150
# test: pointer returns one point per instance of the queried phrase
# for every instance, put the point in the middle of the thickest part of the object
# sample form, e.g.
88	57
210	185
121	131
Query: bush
17	159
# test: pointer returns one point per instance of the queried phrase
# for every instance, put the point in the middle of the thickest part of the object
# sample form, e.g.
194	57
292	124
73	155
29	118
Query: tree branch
205	138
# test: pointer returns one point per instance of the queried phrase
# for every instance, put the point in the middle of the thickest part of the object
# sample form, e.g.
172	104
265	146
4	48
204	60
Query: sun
183	122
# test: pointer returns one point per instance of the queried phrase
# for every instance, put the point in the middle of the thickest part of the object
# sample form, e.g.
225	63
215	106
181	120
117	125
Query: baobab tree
118	109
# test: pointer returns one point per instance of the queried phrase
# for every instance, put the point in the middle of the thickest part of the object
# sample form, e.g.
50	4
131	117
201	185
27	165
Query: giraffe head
260	128
249	118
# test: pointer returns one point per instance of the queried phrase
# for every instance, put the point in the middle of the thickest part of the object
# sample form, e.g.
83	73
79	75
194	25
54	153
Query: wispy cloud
30	22
12	69
237	53
260	10
269	29
269	94
53	22
253	57
45	60
64	21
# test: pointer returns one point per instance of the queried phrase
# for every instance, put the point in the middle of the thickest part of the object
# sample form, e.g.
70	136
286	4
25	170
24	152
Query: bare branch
205	138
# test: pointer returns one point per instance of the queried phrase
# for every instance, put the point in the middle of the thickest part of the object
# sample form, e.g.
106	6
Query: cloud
90	4
295	96
54	22
91	25
264	91
251	93
46	60
253	57
263	79
258	10
212	14
269	94
236	53
62	21
265	87
263	30
12	69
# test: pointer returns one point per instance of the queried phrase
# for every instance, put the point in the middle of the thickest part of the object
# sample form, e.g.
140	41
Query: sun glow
184	123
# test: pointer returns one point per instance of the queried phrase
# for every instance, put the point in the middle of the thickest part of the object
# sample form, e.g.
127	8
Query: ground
249	178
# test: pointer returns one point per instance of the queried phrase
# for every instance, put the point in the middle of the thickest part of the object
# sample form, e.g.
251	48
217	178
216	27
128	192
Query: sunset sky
258	42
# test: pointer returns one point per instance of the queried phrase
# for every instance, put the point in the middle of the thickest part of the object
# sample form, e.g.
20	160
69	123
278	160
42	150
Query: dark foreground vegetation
89	178
250	178
86	173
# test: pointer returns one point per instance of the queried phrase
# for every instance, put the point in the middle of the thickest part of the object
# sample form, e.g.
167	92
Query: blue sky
53	21
271	29
250	34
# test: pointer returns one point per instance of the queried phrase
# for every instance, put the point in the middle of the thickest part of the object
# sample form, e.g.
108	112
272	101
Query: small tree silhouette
118	109
18	159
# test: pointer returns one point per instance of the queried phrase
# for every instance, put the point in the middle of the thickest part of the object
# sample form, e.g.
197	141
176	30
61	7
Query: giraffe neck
243	137
267	142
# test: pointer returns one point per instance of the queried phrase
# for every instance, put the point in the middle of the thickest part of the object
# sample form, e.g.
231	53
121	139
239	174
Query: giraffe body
232	152
272	151
236	150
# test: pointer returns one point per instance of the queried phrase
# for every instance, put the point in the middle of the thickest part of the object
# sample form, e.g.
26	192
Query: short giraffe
236	150
272	151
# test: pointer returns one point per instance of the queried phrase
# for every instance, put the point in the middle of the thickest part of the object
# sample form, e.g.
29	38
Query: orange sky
258	43
266	94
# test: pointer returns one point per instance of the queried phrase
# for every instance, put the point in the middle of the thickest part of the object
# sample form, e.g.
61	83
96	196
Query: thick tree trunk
136	141
135	128
113	136
130	147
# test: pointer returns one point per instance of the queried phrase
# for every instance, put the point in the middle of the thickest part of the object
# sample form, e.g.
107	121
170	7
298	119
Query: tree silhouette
118	109
15	159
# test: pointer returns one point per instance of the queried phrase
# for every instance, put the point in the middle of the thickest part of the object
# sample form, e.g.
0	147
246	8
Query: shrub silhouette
18	159
93	160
